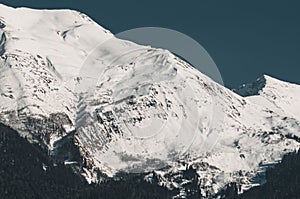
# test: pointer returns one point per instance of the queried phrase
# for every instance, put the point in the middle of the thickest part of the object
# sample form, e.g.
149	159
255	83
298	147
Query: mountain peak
148	109
256	87
271	80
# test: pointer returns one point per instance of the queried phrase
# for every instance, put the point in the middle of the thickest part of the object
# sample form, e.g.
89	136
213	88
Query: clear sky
245	38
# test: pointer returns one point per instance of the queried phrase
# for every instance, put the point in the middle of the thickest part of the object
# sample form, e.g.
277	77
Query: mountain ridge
148	111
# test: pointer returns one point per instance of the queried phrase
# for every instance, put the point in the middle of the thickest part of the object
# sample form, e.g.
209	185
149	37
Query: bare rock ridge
253	88
2	38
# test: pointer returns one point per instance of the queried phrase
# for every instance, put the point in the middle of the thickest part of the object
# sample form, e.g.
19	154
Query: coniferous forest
26	172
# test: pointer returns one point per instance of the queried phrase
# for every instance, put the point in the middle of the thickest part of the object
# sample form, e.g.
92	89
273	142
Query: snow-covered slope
268	91
41	54
135	108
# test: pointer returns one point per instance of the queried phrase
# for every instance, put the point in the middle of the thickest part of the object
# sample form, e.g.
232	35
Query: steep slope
26	172
41	56
134	108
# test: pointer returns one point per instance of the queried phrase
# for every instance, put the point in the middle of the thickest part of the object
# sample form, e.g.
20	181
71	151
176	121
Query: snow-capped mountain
132	108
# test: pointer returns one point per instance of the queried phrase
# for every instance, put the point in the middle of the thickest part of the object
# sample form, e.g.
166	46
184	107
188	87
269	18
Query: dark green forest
27	172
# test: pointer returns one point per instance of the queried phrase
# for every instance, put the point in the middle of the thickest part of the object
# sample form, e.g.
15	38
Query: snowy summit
135	108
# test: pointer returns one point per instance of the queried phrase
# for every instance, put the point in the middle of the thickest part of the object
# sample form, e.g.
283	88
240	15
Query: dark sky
245	38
